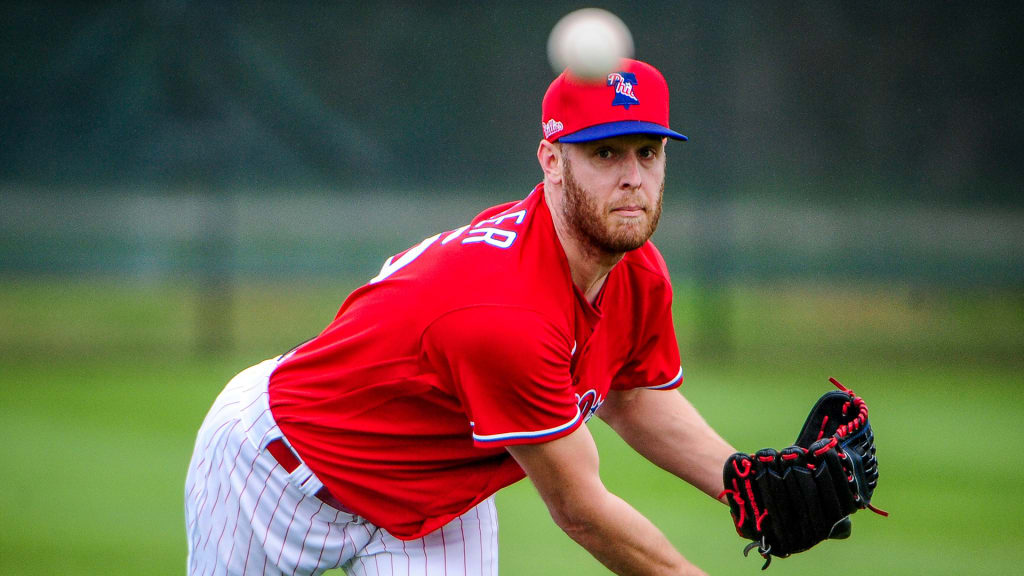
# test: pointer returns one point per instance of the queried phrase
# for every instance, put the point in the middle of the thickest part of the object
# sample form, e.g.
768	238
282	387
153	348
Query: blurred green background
187	188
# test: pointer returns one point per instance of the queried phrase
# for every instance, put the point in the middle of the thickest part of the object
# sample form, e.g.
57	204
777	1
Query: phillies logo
589	402
551	126
623	82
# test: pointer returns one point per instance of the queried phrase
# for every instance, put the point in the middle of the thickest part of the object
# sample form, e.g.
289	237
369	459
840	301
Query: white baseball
589	42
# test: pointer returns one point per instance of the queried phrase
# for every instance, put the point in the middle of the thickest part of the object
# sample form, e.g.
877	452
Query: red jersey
472	340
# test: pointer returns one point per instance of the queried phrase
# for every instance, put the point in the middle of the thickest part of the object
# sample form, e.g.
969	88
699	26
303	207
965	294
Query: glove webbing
848	431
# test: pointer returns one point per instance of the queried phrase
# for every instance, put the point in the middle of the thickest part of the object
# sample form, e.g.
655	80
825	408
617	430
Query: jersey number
489	235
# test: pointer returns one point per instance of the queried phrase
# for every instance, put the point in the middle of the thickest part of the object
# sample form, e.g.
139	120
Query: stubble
593	227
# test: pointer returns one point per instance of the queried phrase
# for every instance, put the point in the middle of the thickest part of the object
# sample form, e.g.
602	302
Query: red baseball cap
631	100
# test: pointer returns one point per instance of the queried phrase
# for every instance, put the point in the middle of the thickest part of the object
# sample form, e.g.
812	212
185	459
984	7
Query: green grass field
103	384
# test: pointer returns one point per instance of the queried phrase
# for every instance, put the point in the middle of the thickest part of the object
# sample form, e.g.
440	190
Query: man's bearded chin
584	218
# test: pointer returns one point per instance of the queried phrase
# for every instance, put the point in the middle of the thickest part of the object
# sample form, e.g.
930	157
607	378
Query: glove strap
878	511
763	549
839	385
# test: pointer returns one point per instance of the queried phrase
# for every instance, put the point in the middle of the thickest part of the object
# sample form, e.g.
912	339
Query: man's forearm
623	539
667	430
565	473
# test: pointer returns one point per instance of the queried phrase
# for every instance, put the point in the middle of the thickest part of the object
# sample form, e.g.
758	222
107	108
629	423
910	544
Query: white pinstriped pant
245	515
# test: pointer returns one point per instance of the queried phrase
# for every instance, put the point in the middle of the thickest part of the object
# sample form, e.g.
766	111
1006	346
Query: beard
593	226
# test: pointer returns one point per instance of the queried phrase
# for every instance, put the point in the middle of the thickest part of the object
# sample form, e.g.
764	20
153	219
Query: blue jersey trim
670	384
529	435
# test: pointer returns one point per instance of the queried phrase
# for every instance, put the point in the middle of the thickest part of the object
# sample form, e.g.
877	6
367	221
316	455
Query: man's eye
647	153
604	153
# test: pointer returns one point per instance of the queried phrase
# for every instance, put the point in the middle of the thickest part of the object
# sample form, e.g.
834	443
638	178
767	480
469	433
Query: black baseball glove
788	501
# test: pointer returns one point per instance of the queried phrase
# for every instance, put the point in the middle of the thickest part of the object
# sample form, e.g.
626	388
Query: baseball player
472	360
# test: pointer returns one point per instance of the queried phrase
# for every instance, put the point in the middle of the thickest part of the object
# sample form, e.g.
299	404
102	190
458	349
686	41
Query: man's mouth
632	210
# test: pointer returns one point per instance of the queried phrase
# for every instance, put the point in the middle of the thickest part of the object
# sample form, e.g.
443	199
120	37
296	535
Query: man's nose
631	178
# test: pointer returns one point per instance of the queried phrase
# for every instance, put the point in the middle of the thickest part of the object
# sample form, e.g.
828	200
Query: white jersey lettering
411	254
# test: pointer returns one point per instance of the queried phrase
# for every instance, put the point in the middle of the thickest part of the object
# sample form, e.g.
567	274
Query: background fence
878	140
300	233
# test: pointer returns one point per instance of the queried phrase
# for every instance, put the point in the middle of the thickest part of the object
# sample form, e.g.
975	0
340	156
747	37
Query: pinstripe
263	439
248	549
209	469
238	456
201	503
254	400
213	436
217	547
227	479
220	485
344	542
238	510
193	559
252	516
219	406
302	549
426	565
494	535
257	419
384	546
465	560
392	556
480	533
225	482
272	515
190	506
270	524
214	416
327	536
444	551
193	477
291	520
370	538
194	484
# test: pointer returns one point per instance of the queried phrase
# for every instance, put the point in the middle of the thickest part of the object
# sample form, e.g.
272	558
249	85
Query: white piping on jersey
522	435
670	383
573	352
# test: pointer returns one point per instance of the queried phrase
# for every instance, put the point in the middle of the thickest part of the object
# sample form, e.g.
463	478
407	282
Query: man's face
612	190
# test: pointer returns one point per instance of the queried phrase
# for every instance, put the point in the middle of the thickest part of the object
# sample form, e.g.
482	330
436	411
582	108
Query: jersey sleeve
654	362
510	370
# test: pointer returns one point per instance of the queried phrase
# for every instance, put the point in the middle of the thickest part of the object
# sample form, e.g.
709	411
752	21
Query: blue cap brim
612	129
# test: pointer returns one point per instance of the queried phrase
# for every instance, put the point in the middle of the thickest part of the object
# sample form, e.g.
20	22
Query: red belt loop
284	455
289	460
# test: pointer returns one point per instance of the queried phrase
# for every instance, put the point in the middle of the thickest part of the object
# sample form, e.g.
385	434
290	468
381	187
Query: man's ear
549	156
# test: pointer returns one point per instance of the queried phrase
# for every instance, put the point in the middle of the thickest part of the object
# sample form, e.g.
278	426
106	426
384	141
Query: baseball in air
589	42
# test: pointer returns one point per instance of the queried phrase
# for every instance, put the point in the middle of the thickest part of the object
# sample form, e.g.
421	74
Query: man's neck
589	275
588	265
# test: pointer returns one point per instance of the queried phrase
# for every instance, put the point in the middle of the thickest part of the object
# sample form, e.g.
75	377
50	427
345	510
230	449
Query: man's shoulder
508	254
507	257
647	264
525	204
